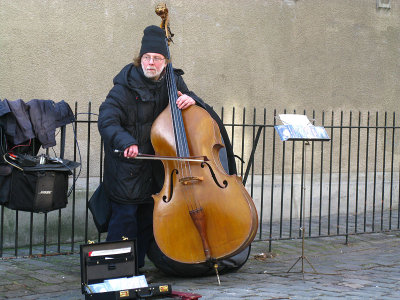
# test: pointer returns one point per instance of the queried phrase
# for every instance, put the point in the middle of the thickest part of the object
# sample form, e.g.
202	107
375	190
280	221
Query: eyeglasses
155	59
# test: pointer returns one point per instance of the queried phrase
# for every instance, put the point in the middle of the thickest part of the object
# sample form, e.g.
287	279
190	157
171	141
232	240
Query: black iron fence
349	185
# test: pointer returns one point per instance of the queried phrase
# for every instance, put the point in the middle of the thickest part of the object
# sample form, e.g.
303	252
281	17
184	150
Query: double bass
201	214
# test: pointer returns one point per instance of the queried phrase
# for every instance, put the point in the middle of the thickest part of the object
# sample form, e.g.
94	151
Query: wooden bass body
195	219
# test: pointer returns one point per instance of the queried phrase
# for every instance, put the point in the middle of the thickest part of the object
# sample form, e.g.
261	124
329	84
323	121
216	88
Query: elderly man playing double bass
138	96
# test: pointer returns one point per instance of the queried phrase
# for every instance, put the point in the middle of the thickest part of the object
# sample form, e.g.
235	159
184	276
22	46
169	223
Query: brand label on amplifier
45	192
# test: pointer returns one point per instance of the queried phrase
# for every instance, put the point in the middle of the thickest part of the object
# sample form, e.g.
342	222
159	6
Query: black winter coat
125	119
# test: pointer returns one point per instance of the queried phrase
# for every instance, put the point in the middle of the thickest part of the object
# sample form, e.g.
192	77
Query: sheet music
109	252
294	119
118	284
299	127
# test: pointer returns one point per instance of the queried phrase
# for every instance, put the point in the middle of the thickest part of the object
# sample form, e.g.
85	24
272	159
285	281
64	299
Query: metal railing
349	185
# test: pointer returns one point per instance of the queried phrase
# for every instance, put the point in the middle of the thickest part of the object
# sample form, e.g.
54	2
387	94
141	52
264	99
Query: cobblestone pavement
368	267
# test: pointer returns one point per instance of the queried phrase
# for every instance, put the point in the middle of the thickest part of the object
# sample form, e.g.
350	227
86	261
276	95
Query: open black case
110	260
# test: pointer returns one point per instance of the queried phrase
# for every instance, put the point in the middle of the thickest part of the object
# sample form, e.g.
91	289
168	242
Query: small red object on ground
184	296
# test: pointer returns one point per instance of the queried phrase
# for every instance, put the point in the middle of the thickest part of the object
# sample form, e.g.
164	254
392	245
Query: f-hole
171	188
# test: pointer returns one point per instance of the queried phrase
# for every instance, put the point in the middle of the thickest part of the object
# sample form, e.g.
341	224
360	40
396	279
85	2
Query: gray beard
152	76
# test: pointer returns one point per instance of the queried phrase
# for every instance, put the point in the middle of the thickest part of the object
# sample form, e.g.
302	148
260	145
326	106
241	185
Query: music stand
299	128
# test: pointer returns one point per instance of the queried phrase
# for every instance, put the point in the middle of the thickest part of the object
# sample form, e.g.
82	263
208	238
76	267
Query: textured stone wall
274	53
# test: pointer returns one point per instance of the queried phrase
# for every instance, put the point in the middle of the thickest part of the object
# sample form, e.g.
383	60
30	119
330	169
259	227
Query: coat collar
142	85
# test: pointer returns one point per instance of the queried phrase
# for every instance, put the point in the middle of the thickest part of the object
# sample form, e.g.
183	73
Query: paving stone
366	268
16	294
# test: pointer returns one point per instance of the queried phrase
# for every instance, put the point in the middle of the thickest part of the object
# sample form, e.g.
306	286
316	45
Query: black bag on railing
41	188
5	182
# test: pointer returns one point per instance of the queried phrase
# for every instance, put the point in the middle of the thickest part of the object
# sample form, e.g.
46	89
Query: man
139	95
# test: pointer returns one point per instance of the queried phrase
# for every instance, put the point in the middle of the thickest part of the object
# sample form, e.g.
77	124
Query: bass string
181	140
173	96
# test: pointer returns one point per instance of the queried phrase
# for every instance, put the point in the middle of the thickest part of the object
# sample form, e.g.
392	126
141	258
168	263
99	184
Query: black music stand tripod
299	128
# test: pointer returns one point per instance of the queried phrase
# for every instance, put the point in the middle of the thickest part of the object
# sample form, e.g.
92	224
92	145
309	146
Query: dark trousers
134	221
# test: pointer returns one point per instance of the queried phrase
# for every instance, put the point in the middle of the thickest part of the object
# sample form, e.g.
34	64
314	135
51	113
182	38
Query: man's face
153	64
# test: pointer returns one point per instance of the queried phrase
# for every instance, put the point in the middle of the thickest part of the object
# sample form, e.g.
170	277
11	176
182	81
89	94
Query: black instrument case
110	260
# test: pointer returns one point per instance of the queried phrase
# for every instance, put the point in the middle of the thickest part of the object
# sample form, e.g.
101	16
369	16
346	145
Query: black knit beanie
153	41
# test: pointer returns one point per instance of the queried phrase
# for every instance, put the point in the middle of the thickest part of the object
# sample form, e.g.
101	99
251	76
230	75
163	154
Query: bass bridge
190	179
